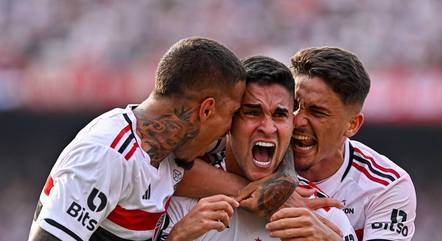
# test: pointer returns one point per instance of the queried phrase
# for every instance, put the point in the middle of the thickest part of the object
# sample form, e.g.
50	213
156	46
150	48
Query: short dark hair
265	71
341	70
194	64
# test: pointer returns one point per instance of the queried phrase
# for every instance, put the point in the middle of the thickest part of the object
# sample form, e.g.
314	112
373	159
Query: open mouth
303	142
263	154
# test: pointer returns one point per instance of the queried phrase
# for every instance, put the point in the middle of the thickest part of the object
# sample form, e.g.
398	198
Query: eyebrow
281	109
252	106
319	108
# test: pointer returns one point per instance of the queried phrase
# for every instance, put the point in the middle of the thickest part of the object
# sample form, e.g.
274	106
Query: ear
354	124
207	108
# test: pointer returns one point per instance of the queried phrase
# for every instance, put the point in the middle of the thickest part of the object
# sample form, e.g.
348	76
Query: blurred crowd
72	48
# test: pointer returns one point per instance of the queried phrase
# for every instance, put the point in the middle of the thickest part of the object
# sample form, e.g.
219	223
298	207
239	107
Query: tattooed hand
265	196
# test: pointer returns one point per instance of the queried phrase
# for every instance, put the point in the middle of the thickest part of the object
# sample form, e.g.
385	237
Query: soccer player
114	180
255	146
379	196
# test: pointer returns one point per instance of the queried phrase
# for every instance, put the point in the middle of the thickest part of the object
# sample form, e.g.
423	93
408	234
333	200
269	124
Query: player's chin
259	174
186	165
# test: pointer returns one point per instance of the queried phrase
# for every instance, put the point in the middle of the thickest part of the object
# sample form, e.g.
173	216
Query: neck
163	126
231	163
324	168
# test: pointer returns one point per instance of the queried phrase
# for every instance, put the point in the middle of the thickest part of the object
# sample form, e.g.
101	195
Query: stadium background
63	62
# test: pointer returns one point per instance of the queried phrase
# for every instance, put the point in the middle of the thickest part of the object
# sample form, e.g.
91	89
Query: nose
299	119
267	125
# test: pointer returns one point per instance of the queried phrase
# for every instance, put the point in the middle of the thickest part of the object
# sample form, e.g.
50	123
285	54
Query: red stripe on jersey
363	170
131	151
315	186
305	186
311	185
121	134
389	170
48	185
138	220
359	234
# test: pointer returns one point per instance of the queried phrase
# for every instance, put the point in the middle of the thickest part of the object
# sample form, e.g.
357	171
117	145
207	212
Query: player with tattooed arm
115	179
255	147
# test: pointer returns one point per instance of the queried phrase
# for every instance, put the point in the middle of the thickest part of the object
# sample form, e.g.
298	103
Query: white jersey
244	225
103	187
379	196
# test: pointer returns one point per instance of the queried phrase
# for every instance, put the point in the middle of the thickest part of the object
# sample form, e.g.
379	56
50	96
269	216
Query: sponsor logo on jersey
146	195
349	210
350	237
398	217
96	202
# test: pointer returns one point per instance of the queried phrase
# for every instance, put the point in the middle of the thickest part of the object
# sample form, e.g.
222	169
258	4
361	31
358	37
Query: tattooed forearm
287	166
274	194
162	135
276	190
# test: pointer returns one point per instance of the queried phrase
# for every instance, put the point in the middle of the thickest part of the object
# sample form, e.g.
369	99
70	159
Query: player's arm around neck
205	180
263	197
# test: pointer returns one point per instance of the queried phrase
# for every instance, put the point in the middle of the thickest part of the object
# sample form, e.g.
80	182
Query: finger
224	218
293	233
304	192
217	198
287	223
316	203
252	187
289	213
220	206
331	225
216	225
249	203
247	191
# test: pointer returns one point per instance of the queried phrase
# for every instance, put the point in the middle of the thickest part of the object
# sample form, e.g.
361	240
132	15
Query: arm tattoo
276	190
164	134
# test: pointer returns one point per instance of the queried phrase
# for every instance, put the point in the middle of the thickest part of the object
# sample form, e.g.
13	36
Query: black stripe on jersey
379	240
129	122
37	210
63	228
102	234
349	162
126	143
362	160
303	180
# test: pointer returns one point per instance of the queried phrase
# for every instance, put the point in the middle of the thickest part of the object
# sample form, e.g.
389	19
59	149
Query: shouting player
379	196
255	146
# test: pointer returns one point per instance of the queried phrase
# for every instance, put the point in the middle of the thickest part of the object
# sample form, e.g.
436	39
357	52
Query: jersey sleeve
391	214
338	218
83	189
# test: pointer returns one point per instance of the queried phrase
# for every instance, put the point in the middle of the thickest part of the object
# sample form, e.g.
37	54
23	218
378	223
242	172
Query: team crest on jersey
177	175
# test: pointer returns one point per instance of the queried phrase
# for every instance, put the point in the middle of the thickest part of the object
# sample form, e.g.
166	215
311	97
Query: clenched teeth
265	144
301	137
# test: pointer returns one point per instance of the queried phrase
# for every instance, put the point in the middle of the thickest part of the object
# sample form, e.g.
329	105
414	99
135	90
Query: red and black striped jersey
103	187
378	195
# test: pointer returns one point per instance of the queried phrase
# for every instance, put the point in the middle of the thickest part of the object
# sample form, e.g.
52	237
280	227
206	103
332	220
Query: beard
186	165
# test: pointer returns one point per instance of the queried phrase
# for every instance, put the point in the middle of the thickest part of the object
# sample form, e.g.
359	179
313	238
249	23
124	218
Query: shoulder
107	134
373	169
